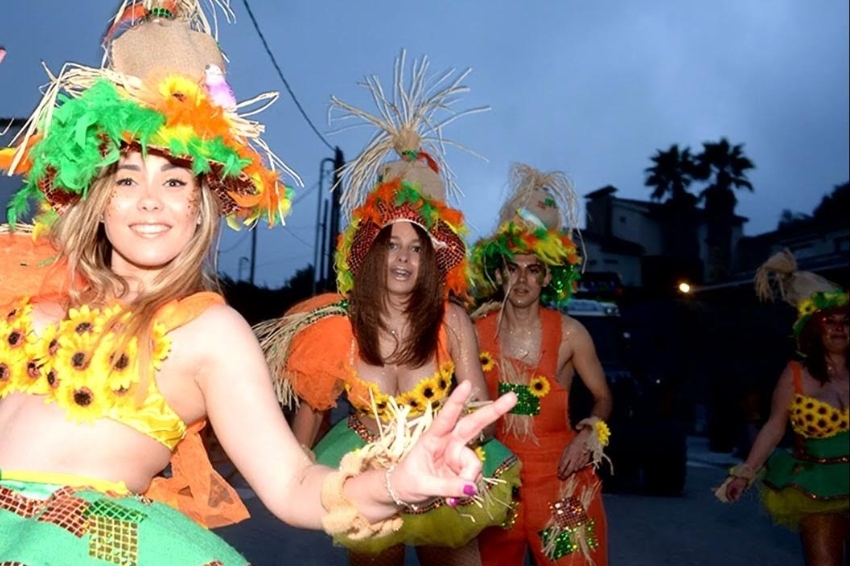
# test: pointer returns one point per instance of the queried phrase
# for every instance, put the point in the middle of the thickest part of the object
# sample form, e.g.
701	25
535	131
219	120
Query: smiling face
834	330
524	278
152	214
403	258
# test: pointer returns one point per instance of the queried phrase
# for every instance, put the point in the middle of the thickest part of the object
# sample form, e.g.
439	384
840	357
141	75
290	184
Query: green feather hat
161	89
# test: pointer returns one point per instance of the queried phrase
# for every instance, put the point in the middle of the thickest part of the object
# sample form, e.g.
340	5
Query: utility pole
327	224
339	162
253	252
318	257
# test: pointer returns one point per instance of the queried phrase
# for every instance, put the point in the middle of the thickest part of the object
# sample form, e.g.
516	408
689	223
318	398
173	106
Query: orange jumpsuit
539	475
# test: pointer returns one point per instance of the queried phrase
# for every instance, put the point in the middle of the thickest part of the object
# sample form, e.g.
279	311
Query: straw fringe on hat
162	90
805	291
416	185
539	217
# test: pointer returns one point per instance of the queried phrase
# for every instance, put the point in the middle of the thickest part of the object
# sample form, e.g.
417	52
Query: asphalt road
694	529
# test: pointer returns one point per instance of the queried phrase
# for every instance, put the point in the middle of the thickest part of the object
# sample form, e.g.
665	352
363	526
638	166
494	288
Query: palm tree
670	176
724	167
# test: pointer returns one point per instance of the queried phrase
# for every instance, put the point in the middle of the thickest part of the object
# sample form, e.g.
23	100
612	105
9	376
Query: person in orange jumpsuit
535	351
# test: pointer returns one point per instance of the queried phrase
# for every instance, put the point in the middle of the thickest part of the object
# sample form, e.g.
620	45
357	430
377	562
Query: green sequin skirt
812	483
438	524
51	525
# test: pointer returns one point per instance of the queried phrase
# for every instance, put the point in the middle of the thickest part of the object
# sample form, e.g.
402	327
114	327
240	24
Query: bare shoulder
222	322
572	328
456	314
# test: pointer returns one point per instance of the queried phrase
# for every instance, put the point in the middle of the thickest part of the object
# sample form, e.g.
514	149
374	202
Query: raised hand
441	464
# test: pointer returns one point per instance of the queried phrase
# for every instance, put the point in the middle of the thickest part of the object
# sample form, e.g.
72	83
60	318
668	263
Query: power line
280	74
235	245
297	237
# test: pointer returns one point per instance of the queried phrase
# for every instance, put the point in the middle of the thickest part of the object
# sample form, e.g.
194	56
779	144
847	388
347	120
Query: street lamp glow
684	288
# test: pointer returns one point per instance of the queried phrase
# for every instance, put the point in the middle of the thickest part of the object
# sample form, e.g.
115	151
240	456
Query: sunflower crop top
76	364
431	390
812	418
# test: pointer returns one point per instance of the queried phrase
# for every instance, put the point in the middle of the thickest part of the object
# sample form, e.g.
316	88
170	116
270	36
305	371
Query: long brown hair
81	240
424	309
811	346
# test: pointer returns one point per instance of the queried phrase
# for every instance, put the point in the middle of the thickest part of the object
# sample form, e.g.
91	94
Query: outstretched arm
242	408
770	434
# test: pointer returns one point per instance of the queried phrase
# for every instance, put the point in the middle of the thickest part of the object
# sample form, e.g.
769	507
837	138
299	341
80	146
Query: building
636	239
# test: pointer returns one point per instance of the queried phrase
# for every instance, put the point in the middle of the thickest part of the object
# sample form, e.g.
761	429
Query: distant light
684	287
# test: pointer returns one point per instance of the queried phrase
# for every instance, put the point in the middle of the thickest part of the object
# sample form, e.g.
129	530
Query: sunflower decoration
84	321
447	370
83	401
161	345
75	354
433	390
17	343
118	364
487	361
364	401
603	433
539	387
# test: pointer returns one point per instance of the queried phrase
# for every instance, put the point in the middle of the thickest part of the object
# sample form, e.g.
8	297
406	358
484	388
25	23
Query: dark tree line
257	304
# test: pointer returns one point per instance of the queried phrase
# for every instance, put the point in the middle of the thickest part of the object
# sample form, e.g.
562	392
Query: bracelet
343	517
744	472
387	477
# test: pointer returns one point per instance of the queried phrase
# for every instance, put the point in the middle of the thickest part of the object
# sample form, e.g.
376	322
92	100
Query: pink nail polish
451	501
470	490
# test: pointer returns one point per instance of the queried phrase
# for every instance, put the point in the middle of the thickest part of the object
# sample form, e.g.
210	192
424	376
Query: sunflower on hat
538	218
415	187
178	105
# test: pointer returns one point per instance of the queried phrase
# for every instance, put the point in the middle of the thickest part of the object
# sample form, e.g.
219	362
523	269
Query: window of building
622	220
611	262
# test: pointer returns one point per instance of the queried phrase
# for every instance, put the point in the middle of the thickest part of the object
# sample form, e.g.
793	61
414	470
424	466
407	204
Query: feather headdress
153	94
539	217
417	183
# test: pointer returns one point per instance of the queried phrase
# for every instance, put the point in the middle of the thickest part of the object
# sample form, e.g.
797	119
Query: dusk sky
590	88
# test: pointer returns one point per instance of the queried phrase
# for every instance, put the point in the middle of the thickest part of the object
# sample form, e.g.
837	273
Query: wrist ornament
343	517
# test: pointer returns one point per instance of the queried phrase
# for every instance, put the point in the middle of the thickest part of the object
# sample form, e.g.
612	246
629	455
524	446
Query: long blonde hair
81	239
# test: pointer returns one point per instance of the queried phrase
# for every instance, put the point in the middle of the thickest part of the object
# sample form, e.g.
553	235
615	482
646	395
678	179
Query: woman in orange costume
107	380
392	336
534	351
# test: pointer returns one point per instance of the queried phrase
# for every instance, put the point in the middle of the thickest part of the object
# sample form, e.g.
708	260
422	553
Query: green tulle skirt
438	524
45	524
812	483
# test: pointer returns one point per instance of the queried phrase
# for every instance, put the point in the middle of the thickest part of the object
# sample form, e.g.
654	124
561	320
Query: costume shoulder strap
796	369
179	313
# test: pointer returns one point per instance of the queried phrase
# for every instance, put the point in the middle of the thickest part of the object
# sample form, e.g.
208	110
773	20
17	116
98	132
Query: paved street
644	531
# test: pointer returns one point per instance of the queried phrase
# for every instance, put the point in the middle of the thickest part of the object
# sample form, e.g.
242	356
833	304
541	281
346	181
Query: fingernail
470	490
451	501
